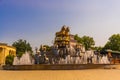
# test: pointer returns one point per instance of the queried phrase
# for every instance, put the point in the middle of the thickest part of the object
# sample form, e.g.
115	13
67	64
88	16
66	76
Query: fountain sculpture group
68	55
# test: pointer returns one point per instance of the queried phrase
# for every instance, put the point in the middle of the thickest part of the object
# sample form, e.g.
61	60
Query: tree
98	48
113	43
79	39
88	42
21	47
48	48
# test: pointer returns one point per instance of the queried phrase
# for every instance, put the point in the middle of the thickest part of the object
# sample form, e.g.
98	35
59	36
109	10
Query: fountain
24	60
16	61
72	60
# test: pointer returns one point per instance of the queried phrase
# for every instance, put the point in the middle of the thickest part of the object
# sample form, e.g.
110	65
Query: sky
37	21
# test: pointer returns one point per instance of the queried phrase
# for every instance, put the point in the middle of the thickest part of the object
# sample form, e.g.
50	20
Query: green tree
48	48
88	42
79	39
98	48
113	43
21	47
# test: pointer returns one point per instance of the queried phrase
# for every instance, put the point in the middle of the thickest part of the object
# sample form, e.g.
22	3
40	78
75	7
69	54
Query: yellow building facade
5	50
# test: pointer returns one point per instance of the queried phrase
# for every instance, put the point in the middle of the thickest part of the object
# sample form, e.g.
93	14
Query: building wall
64	38
73	42
5	50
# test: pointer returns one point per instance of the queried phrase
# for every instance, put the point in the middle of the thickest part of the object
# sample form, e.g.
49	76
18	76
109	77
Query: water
16	61
84	58
80	60
104	60
24	60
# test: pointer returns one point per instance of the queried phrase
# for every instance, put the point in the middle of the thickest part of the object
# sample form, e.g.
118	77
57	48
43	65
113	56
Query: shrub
9	60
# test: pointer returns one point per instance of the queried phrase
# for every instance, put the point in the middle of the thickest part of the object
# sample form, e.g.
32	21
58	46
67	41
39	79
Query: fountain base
59	66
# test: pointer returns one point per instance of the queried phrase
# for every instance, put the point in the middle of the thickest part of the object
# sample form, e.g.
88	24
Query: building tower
62	38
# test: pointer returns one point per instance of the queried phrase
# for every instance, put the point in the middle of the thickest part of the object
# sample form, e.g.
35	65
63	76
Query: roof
114	52
5	44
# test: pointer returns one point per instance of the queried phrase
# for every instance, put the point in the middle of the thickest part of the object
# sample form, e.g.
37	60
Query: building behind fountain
63	38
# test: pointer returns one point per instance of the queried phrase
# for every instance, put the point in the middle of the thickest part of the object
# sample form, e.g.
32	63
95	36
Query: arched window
10	52
1	49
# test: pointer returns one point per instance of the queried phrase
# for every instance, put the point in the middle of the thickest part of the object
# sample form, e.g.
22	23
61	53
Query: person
89	55
36	57
96	56
46	59
77	51
109	57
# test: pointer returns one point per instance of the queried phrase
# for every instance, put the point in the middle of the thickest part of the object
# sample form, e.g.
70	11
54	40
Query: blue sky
37	20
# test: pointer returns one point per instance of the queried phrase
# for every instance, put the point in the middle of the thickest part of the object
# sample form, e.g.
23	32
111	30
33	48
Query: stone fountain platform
60	66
